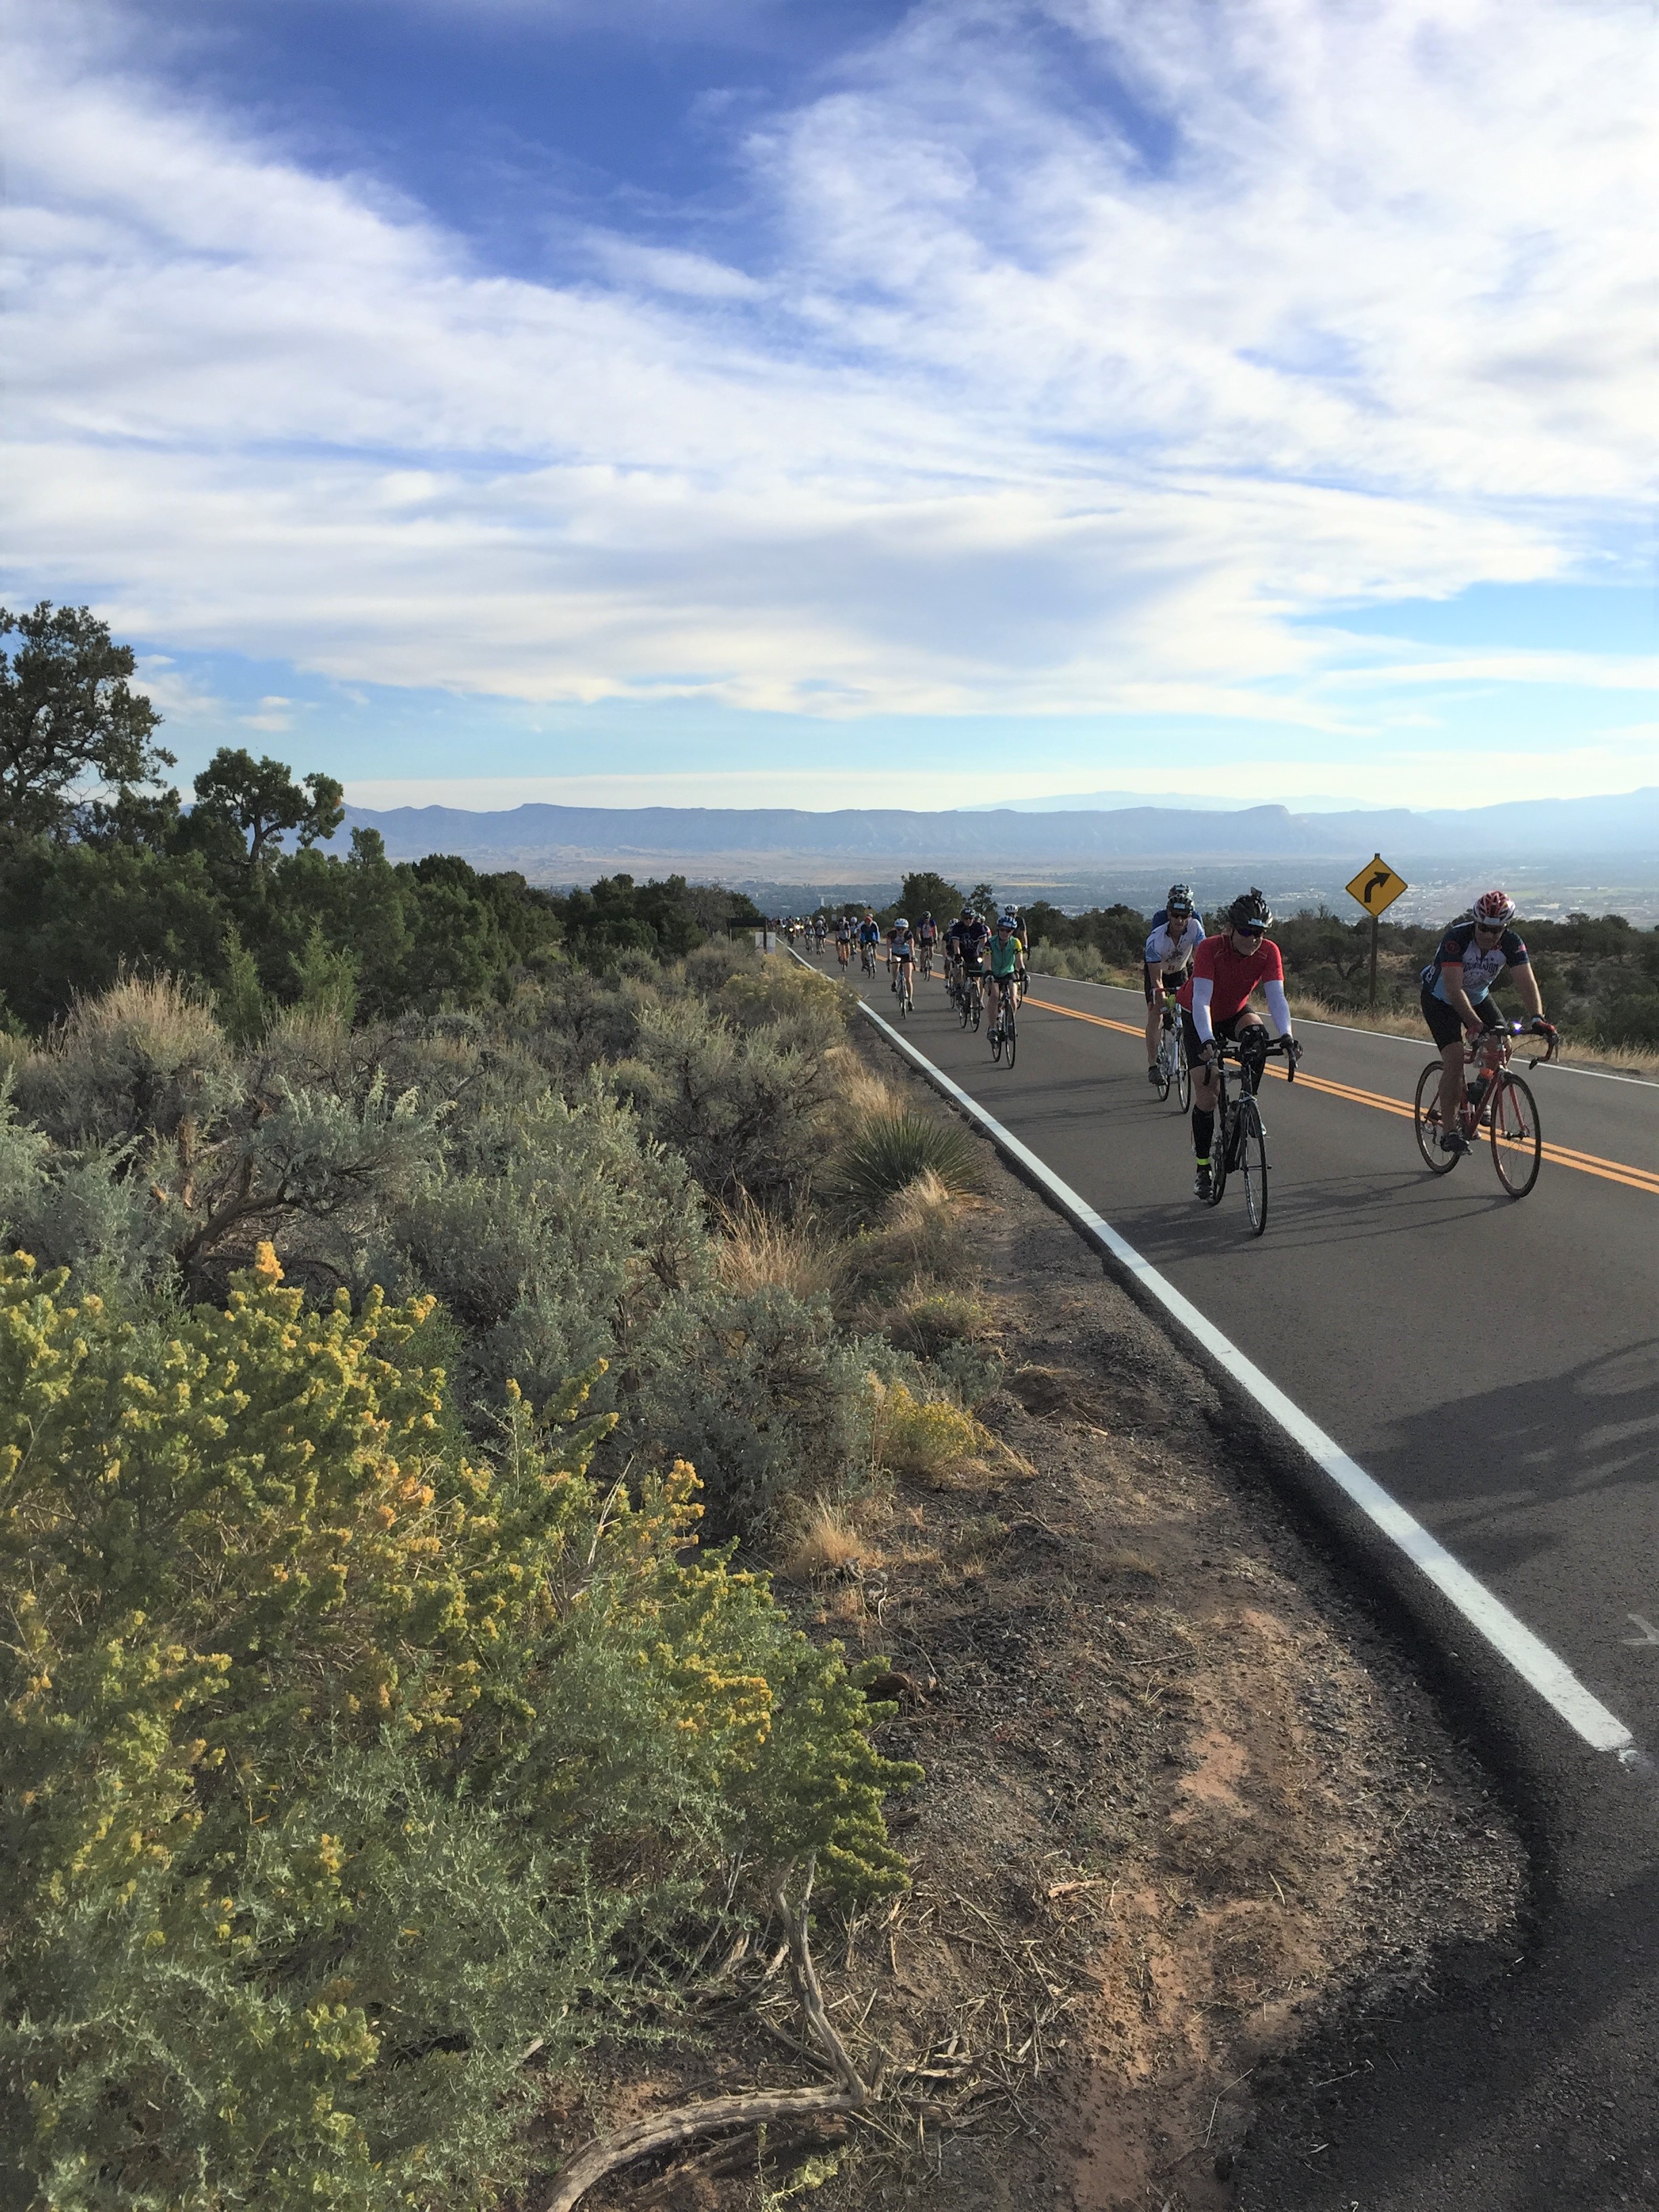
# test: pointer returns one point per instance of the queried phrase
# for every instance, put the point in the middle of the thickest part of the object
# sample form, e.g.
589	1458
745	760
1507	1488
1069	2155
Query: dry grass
761	1252
153	1019
134	1059
923	1244
865	1094
831	1544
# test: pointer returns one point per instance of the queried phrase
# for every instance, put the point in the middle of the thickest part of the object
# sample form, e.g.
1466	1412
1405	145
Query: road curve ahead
1494	1364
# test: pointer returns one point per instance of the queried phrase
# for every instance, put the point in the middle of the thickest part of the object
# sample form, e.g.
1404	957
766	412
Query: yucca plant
890	1153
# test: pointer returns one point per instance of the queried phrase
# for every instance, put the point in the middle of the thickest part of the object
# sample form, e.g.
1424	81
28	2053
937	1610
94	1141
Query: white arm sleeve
1278	1005
1202	987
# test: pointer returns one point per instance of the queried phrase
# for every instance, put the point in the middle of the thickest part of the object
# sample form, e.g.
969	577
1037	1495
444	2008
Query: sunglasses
1251	929
1490	928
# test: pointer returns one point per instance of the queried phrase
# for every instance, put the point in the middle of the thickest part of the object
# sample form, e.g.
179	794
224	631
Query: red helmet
1494	909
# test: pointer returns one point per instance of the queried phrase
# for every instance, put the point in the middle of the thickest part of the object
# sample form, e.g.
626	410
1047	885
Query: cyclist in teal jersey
1005	961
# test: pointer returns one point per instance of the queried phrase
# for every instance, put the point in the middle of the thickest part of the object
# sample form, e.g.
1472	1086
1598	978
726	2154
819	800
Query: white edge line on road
1513	1641
1352	1029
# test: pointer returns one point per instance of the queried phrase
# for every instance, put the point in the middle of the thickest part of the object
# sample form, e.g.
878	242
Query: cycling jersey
927	932
1222	979
1481	968
970	941
1005	956
903	949
869	933
1173	944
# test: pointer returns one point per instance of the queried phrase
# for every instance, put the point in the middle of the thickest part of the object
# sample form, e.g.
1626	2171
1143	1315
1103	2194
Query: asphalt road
1494	1363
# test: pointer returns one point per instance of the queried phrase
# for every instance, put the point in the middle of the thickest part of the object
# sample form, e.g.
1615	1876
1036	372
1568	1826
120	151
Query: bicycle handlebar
1231	1049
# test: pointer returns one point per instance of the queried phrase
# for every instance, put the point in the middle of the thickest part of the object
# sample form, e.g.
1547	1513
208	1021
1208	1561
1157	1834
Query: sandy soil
1183	1806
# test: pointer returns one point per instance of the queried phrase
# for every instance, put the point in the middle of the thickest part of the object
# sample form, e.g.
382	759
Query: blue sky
687	399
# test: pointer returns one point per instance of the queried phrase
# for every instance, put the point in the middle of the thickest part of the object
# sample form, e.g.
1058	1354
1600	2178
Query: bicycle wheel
979	1009
1250	1147
1425	1120
1183	1075
996	1038
1517	1141
1010	1040
1164	1068
1221	1144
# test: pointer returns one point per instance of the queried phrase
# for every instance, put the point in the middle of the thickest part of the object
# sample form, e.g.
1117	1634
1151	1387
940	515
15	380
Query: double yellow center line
1560	1155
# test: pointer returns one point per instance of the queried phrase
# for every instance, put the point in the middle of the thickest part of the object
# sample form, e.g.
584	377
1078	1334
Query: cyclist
1457	996
901	958
844	940
869	937
820	931
1005	964
1177	933
1215	1001
926	936
972	939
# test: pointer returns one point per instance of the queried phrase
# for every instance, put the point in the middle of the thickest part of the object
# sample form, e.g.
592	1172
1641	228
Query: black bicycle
970	1002
1005	1034
1241	1135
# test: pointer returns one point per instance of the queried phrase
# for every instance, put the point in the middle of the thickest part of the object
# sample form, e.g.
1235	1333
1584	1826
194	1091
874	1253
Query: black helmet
1250	910
1178	899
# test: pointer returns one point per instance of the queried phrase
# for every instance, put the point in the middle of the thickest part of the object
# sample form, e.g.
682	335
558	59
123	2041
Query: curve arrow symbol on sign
1377	882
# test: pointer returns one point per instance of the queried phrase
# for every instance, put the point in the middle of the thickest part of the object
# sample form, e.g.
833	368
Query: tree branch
670	2130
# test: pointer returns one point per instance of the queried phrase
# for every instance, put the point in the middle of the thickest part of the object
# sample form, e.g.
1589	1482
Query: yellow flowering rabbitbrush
340	1764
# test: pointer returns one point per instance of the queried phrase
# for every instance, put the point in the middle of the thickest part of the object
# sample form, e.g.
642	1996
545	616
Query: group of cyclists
987	960
1206	981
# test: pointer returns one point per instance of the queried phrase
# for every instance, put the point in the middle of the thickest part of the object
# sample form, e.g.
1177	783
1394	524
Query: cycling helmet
1005	921
1178	899
1250	910
901	923
1494	910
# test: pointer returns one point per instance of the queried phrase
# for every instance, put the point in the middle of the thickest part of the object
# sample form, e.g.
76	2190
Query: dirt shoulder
1183	1805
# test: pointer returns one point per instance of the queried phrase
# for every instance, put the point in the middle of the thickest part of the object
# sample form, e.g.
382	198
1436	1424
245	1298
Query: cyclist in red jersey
1215	1002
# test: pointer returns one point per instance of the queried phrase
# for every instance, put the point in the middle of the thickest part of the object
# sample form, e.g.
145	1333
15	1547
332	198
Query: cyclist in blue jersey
1457	996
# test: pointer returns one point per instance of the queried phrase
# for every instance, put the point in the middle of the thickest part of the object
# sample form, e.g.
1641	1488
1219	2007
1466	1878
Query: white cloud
1018	420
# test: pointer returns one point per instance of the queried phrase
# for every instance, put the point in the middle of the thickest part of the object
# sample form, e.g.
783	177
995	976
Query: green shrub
770	1401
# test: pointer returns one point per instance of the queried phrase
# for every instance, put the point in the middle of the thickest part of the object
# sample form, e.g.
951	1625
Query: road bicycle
1005	1034
1240	1146
926	959
970	1002
869	959
843	951
1173	1072
902	983
1496	1100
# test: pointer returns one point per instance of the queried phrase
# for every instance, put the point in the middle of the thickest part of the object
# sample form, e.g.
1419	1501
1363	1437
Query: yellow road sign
1377	885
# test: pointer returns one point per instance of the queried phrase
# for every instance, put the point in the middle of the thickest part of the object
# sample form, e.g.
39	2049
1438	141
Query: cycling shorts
1173	978
1225	1032
1446	1024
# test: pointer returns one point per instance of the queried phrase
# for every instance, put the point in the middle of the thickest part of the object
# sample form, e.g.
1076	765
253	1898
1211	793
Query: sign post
1377	887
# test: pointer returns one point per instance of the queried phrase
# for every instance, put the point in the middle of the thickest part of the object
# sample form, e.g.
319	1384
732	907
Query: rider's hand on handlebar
1293	1045
1540	1027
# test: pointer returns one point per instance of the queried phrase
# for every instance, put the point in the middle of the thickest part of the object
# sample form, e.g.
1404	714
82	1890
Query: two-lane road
1494	1363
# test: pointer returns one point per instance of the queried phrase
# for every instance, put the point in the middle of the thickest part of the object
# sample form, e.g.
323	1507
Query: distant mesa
573	844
